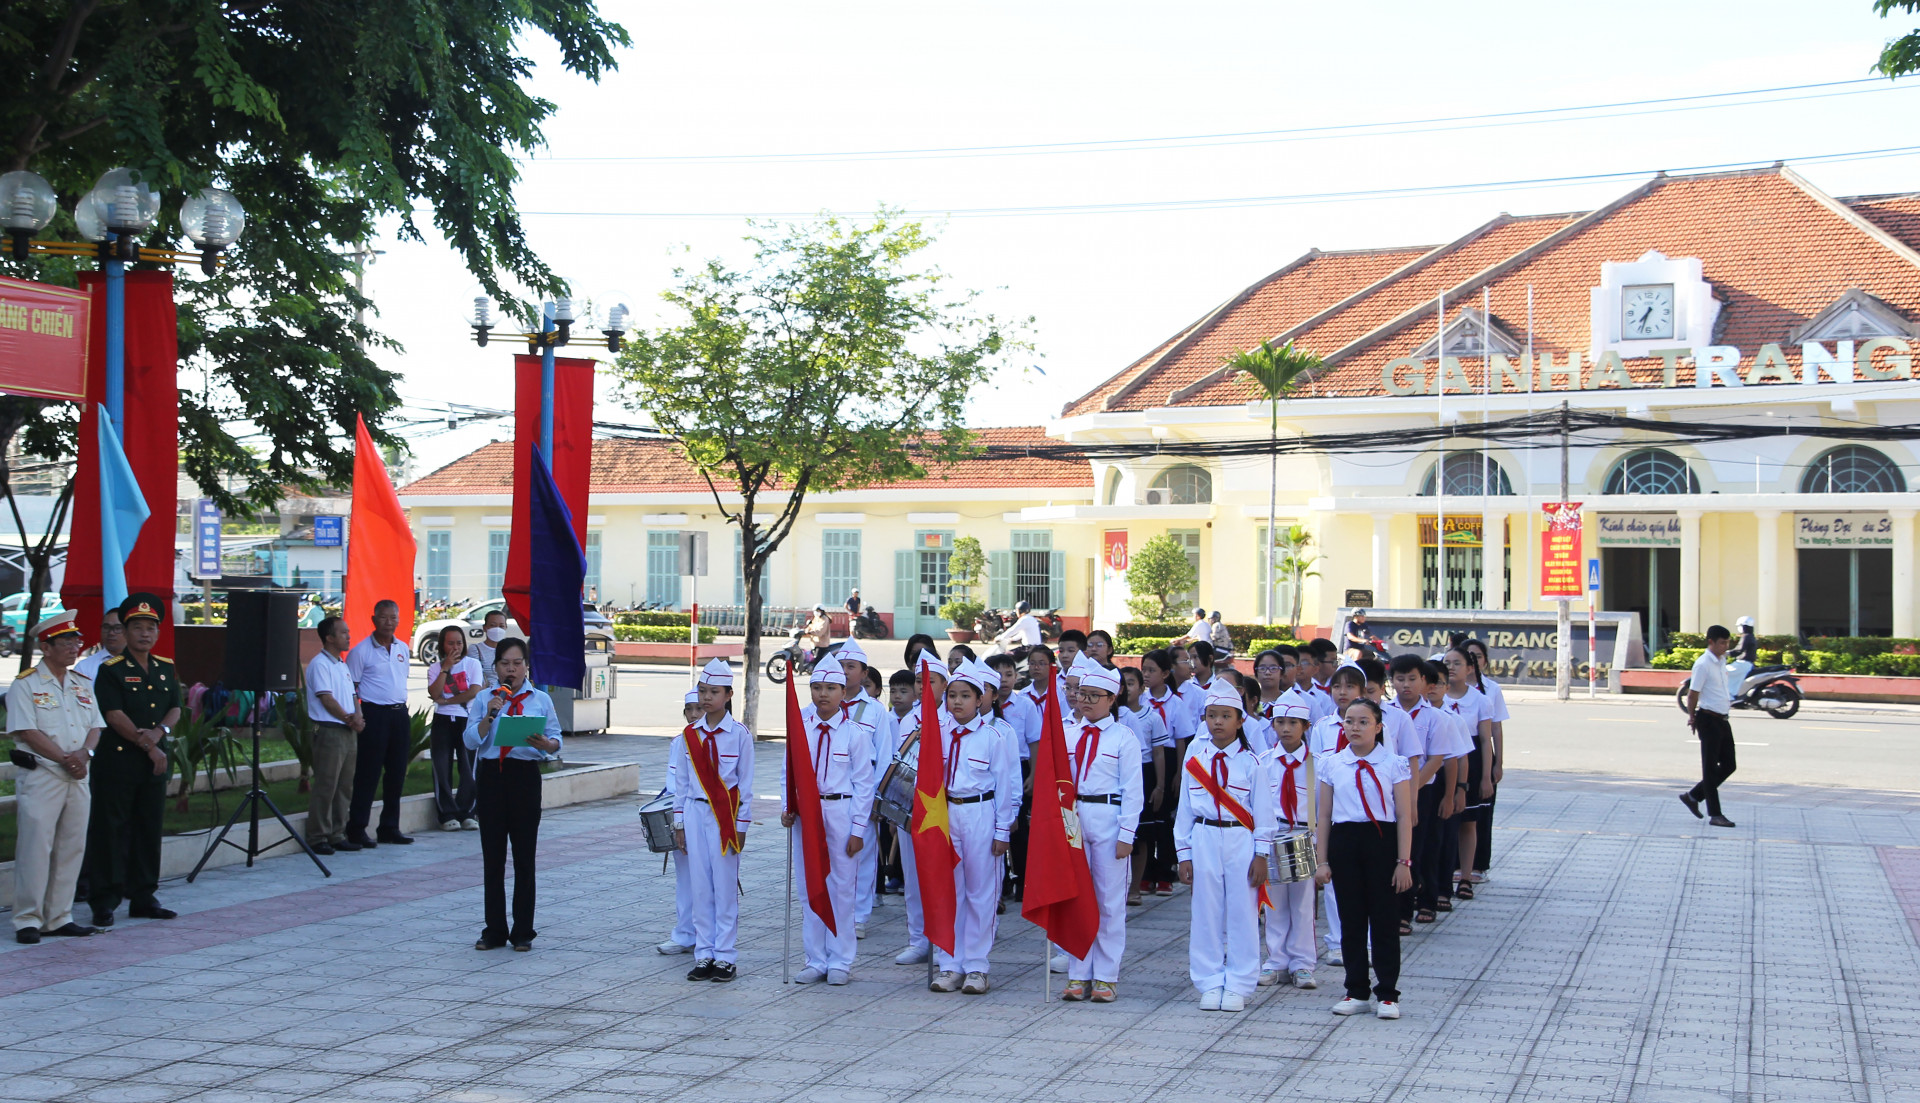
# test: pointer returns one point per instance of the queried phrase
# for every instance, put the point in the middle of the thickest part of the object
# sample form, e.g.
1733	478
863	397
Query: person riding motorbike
819	633
1745	653
1023	635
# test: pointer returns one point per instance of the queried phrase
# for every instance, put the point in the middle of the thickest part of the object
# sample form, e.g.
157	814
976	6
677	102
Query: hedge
1887	664
1140	645
1698	641
1242	635
655	618
1863	645
660	633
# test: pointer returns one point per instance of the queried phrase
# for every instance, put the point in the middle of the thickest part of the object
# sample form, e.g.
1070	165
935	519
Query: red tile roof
1898	215
623	466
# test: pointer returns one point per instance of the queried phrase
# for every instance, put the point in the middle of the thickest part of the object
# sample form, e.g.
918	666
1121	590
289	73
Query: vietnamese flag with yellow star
933	855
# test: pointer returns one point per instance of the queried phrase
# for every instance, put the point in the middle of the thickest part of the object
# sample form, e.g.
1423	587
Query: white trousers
51	810
1290	927
976	889
1112	877
867	874
715	880
827	950
1332	908
916	922
1223	950
683	932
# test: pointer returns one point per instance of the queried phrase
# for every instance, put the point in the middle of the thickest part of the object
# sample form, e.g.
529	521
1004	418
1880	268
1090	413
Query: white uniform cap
968	673
692	698
1350	664
929	665
1082	666
829	675
1099	677
1227	696
851	651
1284	710
988	675
716	673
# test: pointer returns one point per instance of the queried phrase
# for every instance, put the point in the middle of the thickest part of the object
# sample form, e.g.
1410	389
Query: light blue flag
123	509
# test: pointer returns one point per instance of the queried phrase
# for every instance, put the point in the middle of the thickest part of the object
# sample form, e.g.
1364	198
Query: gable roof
625	466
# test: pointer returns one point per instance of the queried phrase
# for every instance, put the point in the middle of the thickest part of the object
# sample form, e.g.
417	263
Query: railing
775	620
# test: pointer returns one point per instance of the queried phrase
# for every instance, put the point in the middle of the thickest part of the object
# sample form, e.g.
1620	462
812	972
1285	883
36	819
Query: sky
716	108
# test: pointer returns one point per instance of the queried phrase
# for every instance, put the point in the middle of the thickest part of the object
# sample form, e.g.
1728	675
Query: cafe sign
1842	530
1464	530
1639	530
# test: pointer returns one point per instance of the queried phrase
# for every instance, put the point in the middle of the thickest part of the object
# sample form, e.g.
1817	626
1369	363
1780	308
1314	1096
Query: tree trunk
752	563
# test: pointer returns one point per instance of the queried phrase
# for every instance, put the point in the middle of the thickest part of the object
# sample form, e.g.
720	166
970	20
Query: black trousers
1363	856
1716	757
1428	877
452	769
1155	831
509	814
382	745
123	830
1016	863
1483	842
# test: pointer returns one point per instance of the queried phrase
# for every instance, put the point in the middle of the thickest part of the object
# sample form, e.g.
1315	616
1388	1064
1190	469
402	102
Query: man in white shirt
379	664
113	640
1708	702
336	724
1024	634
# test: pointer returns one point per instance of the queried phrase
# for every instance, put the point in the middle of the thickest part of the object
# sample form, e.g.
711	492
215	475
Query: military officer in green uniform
139	696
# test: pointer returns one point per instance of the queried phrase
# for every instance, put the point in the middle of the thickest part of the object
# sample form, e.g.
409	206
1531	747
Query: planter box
672	654
1817	687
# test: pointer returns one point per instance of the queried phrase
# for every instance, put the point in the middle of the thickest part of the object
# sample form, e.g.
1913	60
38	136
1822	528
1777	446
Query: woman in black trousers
508	779
1366	832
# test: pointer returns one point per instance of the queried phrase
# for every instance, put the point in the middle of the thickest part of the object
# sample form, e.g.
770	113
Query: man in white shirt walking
1708	703
379	664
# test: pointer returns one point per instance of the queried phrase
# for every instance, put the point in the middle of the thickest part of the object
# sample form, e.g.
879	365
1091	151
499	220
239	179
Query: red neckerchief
820	750
1342	744
1289	794
1084	753
1323	687
705	759
1224	802
1161	708
953	753
1360	764
516	706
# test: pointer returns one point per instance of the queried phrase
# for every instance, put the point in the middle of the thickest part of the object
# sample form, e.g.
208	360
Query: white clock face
1646	312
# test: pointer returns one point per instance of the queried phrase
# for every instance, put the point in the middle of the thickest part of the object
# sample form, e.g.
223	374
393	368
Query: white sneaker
449	825
469	824
810	975
1350	1006
1269	977
1303	978
1060	962
948	981
913	955
1335	957
975	985
859	930
1386	1009
671	947
1233	1001
1210	999
838	977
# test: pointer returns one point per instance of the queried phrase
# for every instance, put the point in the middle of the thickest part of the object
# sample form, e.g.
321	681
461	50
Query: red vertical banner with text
1562	573
1113	554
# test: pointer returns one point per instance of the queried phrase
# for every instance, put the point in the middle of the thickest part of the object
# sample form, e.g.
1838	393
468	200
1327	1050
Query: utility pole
1563	649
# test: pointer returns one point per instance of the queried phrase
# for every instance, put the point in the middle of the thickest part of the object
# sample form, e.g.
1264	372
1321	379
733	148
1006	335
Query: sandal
1133	898
1424	915
1464	890
1406	927
1443	906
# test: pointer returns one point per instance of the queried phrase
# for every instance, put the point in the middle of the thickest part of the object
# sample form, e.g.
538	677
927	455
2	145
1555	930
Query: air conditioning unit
1155	497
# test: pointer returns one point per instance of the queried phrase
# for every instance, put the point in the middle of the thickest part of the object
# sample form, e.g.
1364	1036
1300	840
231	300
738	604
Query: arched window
1852	470
1186	485
1470	473
1113	488
1652	471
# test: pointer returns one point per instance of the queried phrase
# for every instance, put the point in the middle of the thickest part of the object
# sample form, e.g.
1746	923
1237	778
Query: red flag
380	548
803	800
934	858
572	463
1059	886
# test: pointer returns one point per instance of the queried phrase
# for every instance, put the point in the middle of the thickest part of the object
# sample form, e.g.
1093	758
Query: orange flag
934	858
380	546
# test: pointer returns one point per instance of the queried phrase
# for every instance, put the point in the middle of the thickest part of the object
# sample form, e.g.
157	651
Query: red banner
151	437
1114	552
1561	572
43	340
572	460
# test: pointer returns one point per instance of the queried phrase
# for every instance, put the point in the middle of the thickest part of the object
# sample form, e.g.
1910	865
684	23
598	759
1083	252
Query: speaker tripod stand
250	804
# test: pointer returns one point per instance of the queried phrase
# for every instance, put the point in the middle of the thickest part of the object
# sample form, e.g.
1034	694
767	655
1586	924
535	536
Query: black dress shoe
362	841
27	936
152	911
346	846
722	972
70	930
485	943
1692	805
702	970
395	838
102	920
522	947
321	847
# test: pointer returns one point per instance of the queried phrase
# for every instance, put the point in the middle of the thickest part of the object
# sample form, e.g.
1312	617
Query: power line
1392	128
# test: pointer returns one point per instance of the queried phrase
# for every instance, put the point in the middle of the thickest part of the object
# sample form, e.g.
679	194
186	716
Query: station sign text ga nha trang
1880	359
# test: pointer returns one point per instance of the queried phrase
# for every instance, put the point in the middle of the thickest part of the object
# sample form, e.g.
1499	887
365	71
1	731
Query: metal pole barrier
786	934
1593	651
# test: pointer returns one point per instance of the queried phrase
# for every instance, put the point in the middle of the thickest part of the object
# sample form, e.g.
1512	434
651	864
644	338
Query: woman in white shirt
1156	760
1366	834
453	682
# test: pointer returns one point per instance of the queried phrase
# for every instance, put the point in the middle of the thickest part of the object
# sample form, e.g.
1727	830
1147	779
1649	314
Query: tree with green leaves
965	568
1296	563
1902	55
830	362
1277	371
1158	572
324	119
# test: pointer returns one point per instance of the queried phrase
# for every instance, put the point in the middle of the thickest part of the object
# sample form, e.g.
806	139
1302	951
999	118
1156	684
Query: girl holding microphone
508	780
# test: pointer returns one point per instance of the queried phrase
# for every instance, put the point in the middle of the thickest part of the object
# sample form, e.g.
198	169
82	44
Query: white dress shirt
1111	765
1246	784
978	756
530	701
1710	682
1295	766
1340	774
732	747
380	673
1147	728
842	763
327	673
1172	710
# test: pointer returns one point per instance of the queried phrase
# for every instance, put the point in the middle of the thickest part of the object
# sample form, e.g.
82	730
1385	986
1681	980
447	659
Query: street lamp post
556	330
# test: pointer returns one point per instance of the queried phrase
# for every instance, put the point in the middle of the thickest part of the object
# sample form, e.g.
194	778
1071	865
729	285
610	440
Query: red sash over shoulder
707	770
1225	802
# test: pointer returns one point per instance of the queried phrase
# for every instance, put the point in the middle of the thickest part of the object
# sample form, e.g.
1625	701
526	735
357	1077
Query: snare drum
1292	860
893	798
656	820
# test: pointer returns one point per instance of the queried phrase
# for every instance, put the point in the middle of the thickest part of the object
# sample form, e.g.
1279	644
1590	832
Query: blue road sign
1593	576
326	531
206	539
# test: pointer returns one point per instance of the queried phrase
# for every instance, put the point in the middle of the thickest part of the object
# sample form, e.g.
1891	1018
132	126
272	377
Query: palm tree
1277	371
1295	563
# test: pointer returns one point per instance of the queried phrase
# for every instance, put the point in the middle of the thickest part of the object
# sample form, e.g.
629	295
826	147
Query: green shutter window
1000	579
906	591
1056	579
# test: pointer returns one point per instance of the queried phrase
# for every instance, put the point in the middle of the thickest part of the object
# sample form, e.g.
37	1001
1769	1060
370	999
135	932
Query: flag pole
786	929
1046	966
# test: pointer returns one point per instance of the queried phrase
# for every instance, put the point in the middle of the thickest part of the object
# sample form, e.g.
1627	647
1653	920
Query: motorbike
9	643
795	658
991	623
868	625
1774	690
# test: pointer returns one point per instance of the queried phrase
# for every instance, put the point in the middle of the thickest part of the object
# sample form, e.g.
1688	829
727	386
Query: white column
1903	618
1493	543
1766	613
1381	547
1690	571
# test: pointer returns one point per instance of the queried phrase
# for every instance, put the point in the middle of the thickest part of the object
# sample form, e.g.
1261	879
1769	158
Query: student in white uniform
840	749
1328	735
861	707
1290	952
1161	788
711	814
1435	876
682	939
1105	758
1465	701
1435	743
982	799
905	733
1018	708
1318	660
1222	831
1366	833
1497	700
1200	655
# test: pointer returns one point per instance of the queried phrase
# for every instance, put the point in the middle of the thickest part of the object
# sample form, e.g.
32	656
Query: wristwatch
164	728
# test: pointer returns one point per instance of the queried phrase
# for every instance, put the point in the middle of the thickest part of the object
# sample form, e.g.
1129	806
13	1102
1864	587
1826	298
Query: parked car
15	609
426	633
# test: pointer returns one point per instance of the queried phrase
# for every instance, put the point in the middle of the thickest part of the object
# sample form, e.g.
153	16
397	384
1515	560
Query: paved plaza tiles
1622	952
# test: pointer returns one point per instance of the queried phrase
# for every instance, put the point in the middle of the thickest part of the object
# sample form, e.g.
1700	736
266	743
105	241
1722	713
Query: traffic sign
206	539
326	531
1593	576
